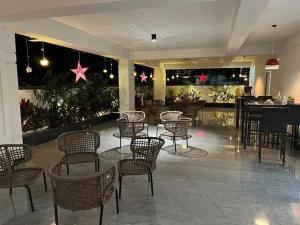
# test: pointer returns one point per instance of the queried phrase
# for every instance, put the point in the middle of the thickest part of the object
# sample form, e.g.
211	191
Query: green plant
65	104
222	94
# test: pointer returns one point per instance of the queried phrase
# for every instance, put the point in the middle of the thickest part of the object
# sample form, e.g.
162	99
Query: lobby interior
215	179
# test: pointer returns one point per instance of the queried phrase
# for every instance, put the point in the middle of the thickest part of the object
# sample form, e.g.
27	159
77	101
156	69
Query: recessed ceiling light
153	37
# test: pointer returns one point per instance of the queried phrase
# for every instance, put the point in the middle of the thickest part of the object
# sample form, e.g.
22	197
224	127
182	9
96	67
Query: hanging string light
177	74
111	76
104	70
233	75
44	61
28	68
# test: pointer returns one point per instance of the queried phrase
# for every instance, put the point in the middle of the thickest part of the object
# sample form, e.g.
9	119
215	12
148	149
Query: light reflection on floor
226	187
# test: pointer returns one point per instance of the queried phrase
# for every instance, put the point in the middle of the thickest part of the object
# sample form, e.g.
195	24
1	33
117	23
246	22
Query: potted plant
291	100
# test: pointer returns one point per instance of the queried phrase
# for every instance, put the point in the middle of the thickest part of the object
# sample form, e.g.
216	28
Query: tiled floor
228	186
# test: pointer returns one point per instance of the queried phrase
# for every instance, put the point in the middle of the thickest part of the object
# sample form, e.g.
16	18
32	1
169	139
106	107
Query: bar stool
274	120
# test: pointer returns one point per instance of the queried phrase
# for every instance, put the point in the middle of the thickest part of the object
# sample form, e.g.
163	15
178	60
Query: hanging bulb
111	76
28	69
177	75
233	75
173	77
151	75
168	79
104	70
245	79
134	73
44	62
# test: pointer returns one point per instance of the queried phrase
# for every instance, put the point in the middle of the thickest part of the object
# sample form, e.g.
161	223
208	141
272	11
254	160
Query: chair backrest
134	116
178	127
146	148
294	115
81	193
78	141
170	115
5	169
16	153
129	129
274	119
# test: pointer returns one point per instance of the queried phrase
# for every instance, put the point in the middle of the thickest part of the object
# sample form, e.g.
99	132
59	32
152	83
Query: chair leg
174	142
117	201
30	198
151	178
156	131
45	181
10	191
259	147
120	186
283	148
187	142
101	214
98	163
68	171
55	214
120	141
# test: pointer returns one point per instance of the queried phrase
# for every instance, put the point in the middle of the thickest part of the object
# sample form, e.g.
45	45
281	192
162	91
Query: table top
263	104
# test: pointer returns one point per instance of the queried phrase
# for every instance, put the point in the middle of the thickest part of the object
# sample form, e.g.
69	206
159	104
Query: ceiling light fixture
272	63
28	68
104	70
111	76
153	37
44	61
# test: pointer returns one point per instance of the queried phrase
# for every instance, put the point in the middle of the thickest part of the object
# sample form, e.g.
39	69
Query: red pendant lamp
272	63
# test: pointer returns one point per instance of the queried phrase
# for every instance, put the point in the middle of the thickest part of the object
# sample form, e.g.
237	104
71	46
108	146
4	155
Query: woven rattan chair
129	130
134	116
79	147
82	193
11	156
177	130
144	154
168	116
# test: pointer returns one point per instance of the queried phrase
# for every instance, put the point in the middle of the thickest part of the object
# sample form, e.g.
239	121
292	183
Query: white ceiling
185	28
197	24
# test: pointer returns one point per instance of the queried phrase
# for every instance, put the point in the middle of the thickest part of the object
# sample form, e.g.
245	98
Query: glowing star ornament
79	71
143	77
202	77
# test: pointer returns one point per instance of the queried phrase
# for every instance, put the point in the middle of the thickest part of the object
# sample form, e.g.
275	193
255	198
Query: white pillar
10	119
159	89
260	75
126	85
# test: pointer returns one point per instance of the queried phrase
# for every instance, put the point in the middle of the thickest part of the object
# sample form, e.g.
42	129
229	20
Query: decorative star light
79	71
201	134
143	77
202	77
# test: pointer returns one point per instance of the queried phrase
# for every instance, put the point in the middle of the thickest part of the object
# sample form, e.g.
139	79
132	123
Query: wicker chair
177	130
168	116
134	116
145	151
11	156
79	147
82	193
129	130
157	111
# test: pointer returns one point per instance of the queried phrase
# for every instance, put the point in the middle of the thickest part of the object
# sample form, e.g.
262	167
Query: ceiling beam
247	17
57	33
16	10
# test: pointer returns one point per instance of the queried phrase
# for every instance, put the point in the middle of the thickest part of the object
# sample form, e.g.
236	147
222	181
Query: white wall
287	78
10	120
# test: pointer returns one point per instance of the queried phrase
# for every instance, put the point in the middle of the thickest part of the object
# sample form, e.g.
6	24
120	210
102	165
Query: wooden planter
50	134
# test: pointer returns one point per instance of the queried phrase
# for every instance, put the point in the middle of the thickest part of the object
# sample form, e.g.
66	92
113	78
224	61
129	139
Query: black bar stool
274	121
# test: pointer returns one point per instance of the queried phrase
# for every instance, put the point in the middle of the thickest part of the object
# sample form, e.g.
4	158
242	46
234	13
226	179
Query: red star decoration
79	71
202	77
143	77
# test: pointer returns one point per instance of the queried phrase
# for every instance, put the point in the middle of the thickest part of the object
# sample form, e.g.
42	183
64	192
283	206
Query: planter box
219	105
50	134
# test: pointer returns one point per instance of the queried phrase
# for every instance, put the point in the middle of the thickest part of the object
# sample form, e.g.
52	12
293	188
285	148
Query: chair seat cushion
133	167
178	136
21	177
79	158
130	135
